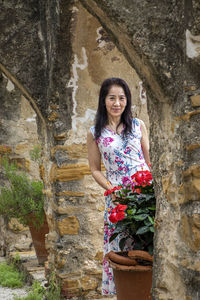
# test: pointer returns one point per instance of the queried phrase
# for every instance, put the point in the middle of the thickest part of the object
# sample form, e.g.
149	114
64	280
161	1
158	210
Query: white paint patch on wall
133	108
10	86
99	38
192	45
73	83
33	119
89	116
142	95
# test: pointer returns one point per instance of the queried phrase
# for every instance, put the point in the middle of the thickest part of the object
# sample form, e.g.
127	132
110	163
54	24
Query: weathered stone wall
161	40
18	137
53	64
75	204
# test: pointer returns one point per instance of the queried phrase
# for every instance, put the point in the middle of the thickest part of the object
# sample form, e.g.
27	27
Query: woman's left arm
145	143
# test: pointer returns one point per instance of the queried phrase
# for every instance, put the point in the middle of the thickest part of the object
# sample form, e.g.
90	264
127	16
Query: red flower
117	213
138	191
142	177
109	192
120	207
148	176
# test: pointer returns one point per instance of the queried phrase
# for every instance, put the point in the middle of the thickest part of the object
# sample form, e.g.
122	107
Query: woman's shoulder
139	126
136	121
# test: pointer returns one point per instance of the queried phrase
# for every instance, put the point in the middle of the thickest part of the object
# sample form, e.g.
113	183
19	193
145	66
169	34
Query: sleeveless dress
122	157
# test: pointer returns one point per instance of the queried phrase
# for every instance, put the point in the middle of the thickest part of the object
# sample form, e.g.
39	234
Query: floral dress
122	157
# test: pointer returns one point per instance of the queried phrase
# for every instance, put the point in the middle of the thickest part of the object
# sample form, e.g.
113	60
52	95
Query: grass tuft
39	293
10	277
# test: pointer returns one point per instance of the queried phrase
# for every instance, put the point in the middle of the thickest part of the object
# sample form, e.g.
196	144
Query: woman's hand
114	198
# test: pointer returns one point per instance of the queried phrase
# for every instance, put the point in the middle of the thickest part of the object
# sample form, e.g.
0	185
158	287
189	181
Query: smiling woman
122	143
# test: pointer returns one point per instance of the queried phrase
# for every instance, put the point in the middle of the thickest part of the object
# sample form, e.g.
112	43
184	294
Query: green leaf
151	220
142	230
152	208
151	229
140	217
142	210
147	222
118	228
131	211
139	201
149	197
113	236
134	197
122	243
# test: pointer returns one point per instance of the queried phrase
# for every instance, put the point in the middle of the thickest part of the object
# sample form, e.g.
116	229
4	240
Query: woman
122	143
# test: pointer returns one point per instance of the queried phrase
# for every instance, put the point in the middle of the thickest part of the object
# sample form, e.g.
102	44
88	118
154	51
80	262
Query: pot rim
120	262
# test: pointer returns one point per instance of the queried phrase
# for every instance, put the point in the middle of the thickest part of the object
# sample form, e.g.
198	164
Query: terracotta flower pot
38	237
132	274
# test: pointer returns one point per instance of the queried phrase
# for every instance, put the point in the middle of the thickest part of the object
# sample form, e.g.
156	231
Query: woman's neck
114	121
115	125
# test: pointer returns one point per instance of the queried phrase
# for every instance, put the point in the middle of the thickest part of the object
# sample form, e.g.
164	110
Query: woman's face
115	101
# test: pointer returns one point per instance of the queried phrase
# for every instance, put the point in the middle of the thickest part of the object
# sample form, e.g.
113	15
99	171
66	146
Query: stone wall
59	67
18	137
161	42
75	203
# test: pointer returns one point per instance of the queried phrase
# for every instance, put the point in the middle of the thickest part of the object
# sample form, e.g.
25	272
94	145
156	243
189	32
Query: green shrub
10	277
31	296
21	196
40	293
36	294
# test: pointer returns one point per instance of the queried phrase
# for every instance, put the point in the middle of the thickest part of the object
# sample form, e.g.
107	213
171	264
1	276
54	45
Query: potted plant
22	198
133	219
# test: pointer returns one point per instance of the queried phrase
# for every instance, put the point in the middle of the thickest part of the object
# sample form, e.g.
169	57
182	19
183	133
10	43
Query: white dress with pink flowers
122	157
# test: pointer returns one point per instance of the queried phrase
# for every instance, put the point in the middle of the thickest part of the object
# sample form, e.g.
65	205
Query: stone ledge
29	265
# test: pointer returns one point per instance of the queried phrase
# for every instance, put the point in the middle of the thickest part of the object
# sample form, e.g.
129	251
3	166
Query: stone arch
130	49
19	136
168	61
95	57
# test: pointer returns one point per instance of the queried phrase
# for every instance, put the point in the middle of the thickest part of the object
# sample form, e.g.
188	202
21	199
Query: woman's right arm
94	158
